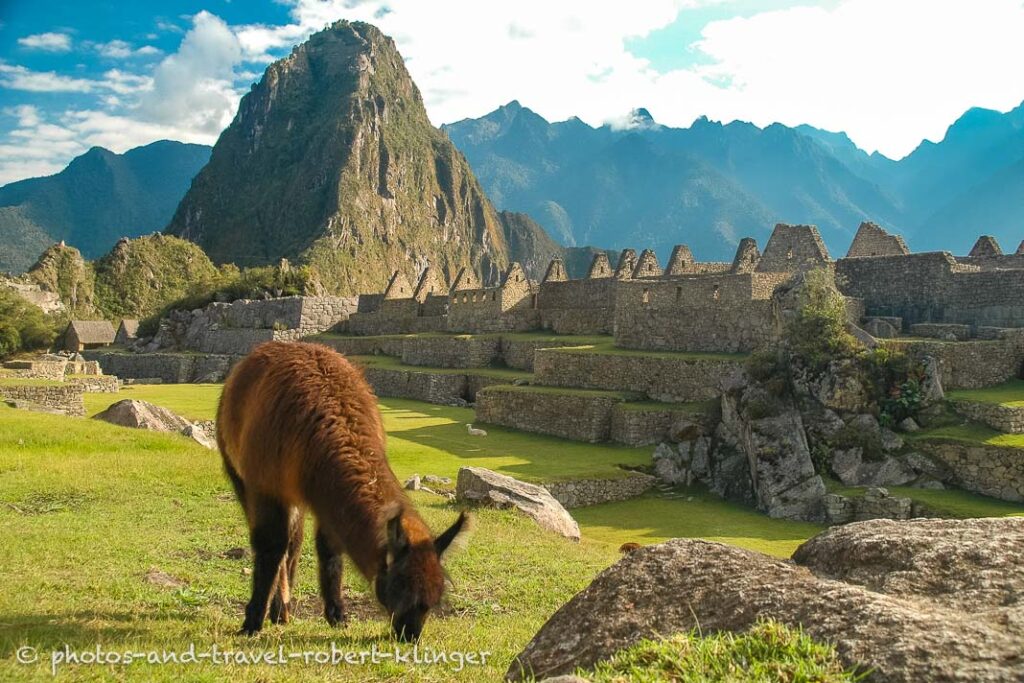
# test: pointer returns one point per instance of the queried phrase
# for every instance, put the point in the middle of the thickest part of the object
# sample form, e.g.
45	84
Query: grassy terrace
1008	394
971	433
512	336
608	348
392	363
630	400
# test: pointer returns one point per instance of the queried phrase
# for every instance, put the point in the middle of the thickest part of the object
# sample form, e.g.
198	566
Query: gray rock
931	387
891	441
434	479
482	486
684	428
909	425
200	435
143	415
914	631
866	425
413	483
846	465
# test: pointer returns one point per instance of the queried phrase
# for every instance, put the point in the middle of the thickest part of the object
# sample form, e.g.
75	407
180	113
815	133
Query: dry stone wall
989	470
577	306
570	415
1007	419
66	398
584	492
662	378
451	351
970	364
171	368
444	388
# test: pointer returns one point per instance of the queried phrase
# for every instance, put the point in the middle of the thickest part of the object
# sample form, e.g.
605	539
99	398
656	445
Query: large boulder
144	415
972	565
484	487
917	633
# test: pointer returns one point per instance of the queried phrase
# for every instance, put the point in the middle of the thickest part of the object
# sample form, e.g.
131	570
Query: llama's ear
454	537
398	542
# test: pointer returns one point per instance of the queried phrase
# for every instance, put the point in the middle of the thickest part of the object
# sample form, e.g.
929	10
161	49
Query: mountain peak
316	168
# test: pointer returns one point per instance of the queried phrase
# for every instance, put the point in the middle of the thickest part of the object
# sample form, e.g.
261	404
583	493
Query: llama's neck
353	511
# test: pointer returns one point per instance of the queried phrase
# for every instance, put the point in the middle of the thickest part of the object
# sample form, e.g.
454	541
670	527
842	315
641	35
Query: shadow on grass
691	513
443	448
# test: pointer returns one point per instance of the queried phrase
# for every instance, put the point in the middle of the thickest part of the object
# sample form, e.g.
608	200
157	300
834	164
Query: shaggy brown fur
629	547
299	429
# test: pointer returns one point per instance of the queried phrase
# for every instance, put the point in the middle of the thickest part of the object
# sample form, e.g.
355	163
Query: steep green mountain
99	198
136	279
332	161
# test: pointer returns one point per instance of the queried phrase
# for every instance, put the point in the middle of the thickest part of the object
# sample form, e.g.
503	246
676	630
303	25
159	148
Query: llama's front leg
268	535
281	605
329	556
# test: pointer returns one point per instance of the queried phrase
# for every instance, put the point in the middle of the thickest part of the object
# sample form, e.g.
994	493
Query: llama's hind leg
268	534
329	556
281	605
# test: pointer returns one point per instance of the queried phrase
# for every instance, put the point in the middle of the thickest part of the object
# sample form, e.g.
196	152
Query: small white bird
475	432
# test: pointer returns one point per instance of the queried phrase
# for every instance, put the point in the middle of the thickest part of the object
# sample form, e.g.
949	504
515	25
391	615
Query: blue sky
888	72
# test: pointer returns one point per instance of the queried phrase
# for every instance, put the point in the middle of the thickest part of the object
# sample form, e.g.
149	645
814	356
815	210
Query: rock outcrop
899	609
482	486
143	415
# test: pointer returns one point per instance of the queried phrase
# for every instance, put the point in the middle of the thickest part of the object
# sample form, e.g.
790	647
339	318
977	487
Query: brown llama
630	547
298	428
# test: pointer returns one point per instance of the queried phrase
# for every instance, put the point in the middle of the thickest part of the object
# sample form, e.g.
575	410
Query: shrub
23	326
817	333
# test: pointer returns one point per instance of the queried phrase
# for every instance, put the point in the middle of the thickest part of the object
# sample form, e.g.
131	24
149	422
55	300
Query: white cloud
194	87
16	77
886	72
120	49
48	42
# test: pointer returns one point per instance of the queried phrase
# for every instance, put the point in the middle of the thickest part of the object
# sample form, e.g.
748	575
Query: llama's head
411	579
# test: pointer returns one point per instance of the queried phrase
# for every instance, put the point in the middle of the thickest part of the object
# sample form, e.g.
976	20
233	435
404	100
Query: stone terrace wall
1008	419
519	353
970	364
570	416
106	384
660	378
633	426
583	492
490	309
364	346
171	368
988	470
67	399
37	369
577	306
433	387
450	351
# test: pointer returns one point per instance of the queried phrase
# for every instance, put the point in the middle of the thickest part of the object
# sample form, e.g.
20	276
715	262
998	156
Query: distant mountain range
99	198
711	184
334	164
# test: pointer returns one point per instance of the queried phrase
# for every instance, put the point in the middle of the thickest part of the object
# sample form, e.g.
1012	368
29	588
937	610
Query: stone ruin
720	307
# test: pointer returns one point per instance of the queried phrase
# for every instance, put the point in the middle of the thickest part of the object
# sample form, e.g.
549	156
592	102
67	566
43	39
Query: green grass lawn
1008	394
88	511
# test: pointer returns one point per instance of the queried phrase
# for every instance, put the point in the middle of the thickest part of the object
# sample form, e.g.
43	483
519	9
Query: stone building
87	334
127	332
